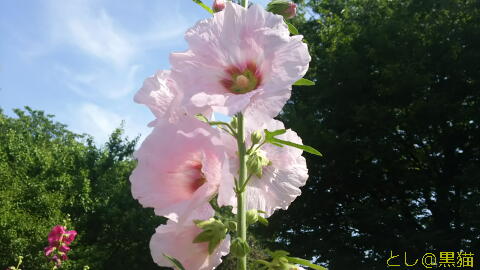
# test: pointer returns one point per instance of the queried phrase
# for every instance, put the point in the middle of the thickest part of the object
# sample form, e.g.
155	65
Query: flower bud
256	137
218	5
256	161
252	216
285	8
234	123
239	248
232	225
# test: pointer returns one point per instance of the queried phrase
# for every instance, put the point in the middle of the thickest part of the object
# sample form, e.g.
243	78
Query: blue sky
83	60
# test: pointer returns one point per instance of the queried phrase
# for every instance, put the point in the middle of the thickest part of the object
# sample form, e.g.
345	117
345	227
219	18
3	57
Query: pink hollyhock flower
241	60
48	250
56	234
160	94
176	240
59	240
178	168
281	180
218	5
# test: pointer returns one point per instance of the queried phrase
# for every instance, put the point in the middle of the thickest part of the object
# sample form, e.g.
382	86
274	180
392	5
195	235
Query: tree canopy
397	112
50	176
396	108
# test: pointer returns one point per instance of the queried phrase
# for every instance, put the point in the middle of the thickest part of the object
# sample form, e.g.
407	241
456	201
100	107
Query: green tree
397	112
49	174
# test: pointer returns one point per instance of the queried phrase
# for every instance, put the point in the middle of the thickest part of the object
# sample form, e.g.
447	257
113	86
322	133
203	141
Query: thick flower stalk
242	62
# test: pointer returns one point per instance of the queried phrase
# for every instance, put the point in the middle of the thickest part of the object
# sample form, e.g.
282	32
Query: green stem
241	197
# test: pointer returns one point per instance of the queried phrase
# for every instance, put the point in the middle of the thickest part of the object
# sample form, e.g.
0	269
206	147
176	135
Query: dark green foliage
47	173
396	113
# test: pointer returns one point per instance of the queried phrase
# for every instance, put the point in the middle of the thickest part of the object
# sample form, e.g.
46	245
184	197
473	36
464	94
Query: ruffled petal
176	240
177	168
281	180
156	93
240	41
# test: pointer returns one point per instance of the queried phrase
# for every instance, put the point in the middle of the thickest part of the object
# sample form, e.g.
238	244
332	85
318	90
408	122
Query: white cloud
99	82
100	123
96	35
97	121
102	53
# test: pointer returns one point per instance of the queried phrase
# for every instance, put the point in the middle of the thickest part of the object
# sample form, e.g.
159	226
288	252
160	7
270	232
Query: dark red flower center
242	80
199	179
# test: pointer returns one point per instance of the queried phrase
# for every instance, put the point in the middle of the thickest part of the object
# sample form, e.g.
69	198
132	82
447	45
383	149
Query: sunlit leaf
293	30
305	148
175	262
304	82
305	263
207	8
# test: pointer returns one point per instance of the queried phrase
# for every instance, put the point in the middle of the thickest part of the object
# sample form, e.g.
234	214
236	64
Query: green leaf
278	253
305	262
213	244
270	138
293	30
218	123
202	118
174	261
305	148
207	8
304	81
269	135
263	220
204	236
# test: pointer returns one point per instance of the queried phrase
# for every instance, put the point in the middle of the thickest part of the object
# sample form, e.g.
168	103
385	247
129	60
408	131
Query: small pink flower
241	60
58	241
56	235
48	250
178	168
64	248
281	180
218	5
69	236
176	240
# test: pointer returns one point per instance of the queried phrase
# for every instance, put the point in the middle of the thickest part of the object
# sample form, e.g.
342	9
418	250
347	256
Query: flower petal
175	174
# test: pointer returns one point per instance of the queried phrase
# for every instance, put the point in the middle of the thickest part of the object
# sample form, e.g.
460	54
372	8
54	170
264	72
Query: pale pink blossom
241	60
176	240
179	168
161	95
281	180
